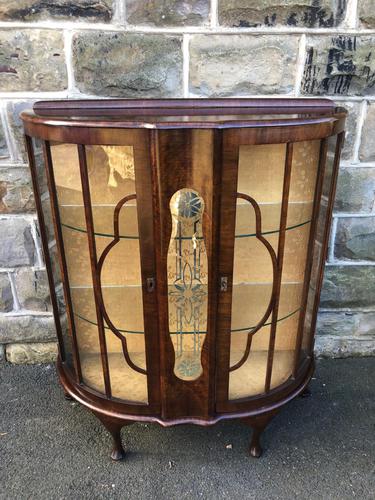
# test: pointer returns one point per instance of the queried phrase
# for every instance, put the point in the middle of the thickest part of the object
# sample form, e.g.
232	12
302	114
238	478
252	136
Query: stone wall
139	48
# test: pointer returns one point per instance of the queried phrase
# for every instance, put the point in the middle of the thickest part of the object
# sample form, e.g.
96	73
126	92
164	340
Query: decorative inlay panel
187	283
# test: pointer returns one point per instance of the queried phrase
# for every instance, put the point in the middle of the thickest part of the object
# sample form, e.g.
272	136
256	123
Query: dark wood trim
283	129
326	236
147	217
280	259
310	250
212	316
94	265
43	236
162	292
229	180
65	106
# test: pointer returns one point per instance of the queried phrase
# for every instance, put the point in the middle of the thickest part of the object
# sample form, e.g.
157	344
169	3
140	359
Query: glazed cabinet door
274	200
188	205
100	193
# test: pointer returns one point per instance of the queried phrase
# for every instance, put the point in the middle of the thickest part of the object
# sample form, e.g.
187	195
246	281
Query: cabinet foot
306	393
68	397
114	427
258	424
255	448
118	452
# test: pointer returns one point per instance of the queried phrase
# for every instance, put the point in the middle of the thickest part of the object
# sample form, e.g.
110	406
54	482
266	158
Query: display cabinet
185	243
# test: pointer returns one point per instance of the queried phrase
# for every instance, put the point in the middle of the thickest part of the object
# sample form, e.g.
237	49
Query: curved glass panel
311	309
264	359
66	333
250	378
302	188
111	179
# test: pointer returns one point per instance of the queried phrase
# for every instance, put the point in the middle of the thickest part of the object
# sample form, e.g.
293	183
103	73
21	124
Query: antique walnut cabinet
185	242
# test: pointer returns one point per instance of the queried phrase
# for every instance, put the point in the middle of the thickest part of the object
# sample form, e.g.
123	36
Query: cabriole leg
255	448
306	393
118	452
258	424
67	396
114	427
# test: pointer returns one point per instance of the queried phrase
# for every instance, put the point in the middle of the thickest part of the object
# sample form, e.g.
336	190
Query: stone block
343	347
224	65
351	129
2	352
306	13
355	238
17	245
32	60
128	65
366	13
6	296
345	334
16	194
31	353
346	324
27	328
348	287
167	13
13	110
33	10
339	65
355	190
367	147
33	289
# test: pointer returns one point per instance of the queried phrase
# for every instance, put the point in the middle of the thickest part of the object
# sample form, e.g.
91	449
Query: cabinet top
183	113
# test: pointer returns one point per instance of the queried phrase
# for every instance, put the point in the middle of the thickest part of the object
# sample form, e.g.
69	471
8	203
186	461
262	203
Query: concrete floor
322	447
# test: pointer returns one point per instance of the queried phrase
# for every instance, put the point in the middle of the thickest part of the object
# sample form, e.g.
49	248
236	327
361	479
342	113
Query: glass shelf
72	217
189	333
128	319
129	237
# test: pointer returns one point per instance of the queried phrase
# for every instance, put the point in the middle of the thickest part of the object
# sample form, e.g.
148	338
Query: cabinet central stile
187	278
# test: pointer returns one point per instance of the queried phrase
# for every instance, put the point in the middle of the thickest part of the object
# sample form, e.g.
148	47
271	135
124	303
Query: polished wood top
183	113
